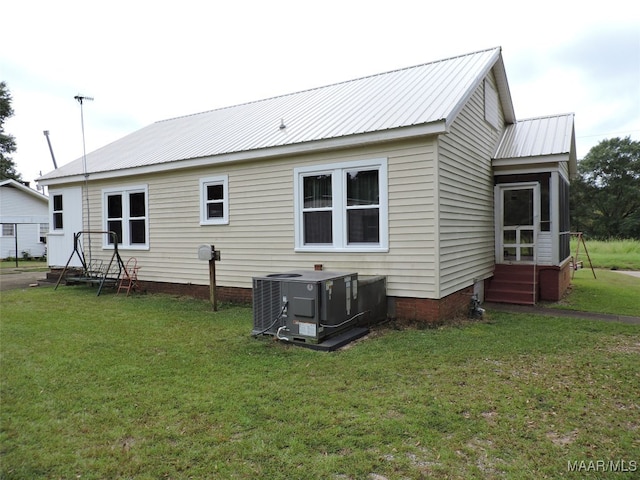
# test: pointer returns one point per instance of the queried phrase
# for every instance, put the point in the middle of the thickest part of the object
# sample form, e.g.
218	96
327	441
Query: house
422	175
24	219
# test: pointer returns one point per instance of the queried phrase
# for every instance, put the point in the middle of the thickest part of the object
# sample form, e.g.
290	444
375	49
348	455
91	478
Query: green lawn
614	254
25	265
610	292
159	387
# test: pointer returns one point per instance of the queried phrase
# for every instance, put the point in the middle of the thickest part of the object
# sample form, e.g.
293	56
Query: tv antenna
81	99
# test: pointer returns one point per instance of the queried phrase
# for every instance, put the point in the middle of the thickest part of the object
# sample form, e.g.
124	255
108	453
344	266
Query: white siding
466	242
28	235
60	242
544	250
19	207
259	238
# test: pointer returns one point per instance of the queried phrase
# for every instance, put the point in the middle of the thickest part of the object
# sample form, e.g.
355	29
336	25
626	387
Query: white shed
24	215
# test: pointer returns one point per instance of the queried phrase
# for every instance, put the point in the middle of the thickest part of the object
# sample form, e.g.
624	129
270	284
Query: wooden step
510	296
513	284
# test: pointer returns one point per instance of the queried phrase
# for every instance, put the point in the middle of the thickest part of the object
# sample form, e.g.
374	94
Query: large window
342	206
214	200
125	213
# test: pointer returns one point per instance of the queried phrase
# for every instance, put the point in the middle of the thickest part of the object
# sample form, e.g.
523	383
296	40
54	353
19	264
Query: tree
606	196
7	142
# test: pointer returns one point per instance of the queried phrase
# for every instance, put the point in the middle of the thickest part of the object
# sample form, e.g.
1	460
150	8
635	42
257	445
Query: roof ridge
541	117
343	82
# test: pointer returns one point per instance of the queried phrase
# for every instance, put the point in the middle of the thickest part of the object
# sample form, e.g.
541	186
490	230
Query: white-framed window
214	200
57	212
8	230
43	231
125	212
342	207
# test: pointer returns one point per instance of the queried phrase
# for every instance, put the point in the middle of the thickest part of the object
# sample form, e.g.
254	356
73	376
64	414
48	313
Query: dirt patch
622	344
562	439
16	279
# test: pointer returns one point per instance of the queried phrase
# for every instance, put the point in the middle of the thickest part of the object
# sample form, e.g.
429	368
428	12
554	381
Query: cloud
148	64
609	64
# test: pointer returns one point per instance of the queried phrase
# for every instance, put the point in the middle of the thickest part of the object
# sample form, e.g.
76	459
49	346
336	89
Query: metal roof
533	137
542	139
388	102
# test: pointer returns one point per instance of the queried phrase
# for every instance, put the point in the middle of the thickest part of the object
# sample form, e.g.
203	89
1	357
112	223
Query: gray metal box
305	306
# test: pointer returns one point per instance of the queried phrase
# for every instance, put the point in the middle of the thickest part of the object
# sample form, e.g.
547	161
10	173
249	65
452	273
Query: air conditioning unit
305	306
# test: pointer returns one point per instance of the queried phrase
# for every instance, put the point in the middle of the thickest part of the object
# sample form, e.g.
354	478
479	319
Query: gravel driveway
12	278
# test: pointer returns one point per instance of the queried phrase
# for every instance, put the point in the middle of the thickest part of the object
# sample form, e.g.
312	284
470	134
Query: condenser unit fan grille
267	303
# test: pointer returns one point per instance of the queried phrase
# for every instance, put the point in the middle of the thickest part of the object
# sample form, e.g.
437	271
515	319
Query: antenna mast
46	134
81	99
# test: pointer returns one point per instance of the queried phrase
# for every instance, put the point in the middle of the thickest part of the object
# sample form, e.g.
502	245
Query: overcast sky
146	61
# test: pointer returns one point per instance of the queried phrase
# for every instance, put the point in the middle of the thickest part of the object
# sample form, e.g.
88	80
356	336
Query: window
491	108
342	207
126	216
43	232
214	200
8	230
57	212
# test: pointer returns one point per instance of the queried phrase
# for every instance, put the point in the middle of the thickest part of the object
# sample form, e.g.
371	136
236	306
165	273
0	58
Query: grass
159	387
613	255
610	292
23	265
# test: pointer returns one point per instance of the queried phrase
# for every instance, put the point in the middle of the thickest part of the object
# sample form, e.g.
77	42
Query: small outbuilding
24	219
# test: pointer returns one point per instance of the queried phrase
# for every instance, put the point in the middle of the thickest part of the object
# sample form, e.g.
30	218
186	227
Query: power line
608	134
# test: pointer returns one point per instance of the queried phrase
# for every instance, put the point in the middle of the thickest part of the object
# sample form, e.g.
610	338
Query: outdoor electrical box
205	252
305	306
208	253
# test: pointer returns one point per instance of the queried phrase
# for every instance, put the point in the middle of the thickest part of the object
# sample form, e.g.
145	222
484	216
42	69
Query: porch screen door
518	223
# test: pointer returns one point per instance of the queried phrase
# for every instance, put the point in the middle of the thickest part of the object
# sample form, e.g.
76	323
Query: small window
214	200
8	230
43	232
57	212
126	216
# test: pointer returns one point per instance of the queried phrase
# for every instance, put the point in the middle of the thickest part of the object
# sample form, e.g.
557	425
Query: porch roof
537	140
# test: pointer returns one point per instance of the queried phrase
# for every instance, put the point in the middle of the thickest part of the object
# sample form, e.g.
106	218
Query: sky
144	61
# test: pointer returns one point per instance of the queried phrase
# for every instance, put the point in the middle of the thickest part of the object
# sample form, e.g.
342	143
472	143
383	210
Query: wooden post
212	280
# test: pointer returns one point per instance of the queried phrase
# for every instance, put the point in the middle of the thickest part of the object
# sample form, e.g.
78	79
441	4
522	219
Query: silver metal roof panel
534	137
387	102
